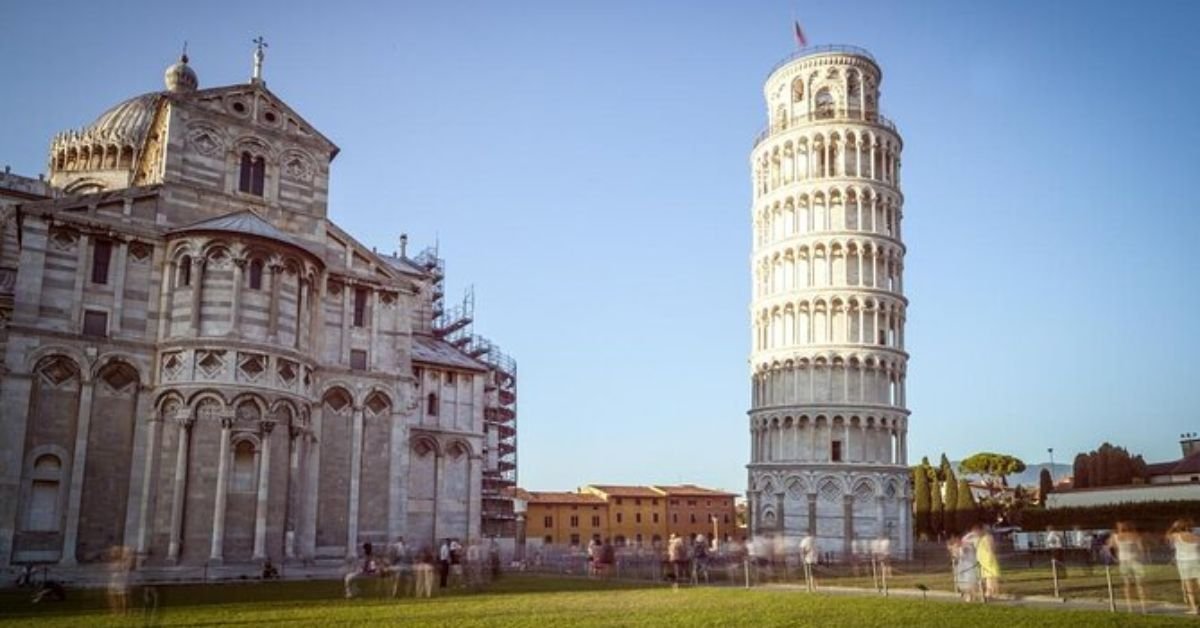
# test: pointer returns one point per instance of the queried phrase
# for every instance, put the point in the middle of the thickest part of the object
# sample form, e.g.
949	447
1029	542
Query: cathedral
200	366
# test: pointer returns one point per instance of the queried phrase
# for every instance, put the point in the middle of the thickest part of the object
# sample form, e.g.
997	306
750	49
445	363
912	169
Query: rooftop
814	51
563	497
617	490
691	490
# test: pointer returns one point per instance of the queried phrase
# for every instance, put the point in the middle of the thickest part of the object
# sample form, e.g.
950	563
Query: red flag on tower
801	41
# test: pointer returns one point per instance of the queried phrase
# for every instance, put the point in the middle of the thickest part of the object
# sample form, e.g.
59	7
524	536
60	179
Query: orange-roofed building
692	509
637	515
565	518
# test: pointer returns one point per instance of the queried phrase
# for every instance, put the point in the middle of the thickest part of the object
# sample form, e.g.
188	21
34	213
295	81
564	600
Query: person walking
444	564
368	568
989	564
423	575
1187	560
676	557
1130	552
808	556
966	566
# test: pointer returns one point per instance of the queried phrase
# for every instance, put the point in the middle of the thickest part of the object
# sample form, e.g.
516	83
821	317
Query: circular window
239	107
270	116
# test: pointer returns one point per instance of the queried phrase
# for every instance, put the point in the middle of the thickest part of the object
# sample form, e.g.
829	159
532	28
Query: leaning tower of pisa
828	421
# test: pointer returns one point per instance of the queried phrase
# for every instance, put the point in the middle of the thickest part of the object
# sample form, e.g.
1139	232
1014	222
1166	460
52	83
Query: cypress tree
1045	485
920	502
1082	473
950	507
937	509
966	512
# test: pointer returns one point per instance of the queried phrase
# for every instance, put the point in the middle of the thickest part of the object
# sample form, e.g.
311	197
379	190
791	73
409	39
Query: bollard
746	566
1112	603
1054	569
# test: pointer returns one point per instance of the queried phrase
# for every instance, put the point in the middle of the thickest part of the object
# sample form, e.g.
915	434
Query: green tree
966	511
921	500
945	469
994	468
950	506
937	508
1081	473
1045	485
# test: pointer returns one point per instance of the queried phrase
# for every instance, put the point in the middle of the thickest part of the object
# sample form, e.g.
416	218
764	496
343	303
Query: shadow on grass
16	604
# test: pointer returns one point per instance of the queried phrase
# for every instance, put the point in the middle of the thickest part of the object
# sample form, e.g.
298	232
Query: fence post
1054	570
746	566
874	574
1112	604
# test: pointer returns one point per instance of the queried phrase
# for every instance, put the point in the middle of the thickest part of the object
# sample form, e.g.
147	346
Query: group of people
404	571
976	566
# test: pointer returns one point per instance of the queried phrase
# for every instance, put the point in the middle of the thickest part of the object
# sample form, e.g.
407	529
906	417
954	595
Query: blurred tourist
1054	543
989	564
808	556
444	563
1187	560
966	566
120	564
368	567
1131	552
423	575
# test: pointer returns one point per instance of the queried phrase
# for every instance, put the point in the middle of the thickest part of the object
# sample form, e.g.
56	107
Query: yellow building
693	510
637	515
562	518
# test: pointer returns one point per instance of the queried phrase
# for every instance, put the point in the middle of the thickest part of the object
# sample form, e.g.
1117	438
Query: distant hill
1030	476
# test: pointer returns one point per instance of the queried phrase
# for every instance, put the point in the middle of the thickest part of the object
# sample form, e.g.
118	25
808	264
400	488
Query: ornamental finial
259	44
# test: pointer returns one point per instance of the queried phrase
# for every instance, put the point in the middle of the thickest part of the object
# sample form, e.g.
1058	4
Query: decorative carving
286	370
140	251
211	363
298	166
205	142
172	365
267	426
58	371
251	366
63	239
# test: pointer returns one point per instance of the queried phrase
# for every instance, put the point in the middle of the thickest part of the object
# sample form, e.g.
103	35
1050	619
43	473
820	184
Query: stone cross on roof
259	44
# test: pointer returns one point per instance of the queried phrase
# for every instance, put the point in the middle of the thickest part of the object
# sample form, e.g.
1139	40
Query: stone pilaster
264	484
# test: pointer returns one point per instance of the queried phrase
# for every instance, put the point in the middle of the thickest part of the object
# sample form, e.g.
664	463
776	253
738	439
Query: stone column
473	496
752	507
273	310
217	553
120	250
848	525
235	309
311	483
147	488
781	527
264	485
356	444
398	476
78	461
197	288
880	516
439	470
295	487
184	422
812	514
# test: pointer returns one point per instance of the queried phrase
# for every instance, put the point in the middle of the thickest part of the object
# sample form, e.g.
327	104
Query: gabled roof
564	497
617	490
432	350
1187	464
403	264
200	95
246	222
691	490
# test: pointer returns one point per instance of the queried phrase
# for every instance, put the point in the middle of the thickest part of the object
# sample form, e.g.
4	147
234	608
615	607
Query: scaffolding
455	325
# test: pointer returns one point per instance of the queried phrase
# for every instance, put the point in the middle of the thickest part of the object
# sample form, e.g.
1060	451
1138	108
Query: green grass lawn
546	602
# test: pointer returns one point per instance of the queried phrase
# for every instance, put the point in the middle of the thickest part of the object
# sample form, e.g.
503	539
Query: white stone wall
828	417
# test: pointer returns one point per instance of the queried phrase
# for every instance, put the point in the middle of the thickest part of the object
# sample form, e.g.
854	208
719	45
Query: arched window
242	479
257	176
185	271
431	404
252	173
247	165
256	274
823	104
42	514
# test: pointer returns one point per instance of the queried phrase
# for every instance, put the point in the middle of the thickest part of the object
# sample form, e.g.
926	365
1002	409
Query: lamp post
1051	452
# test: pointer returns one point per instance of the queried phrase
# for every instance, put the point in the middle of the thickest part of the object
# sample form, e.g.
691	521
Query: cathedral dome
128	121
180	77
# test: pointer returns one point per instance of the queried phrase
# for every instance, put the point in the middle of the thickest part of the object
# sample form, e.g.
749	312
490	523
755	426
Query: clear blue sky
585	166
